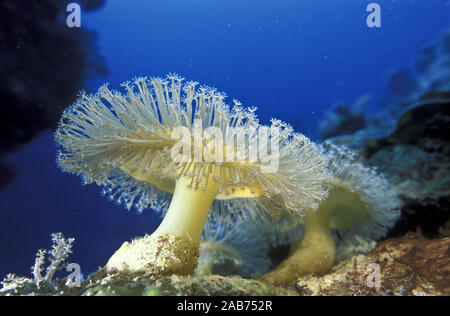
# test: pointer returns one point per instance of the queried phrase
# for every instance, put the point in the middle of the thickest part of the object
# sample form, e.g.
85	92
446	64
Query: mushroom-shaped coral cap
361	203
164	142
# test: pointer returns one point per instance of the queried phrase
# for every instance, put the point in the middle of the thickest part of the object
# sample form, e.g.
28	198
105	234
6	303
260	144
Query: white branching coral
15	285
131	144
61	249
38	263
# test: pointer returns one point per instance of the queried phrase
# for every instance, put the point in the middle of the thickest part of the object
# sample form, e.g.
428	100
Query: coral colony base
125	143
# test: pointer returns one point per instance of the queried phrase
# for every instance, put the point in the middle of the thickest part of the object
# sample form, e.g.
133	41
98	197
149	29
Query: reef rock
426	118
434	63
402	82
410	265
415	158
344	119
421	178
176	285
43	66
405	266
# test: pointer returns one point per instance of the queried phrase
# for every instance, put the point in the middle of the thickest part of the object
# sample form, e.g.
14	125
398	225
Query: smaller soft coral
61	249
15	285
233	249
360	209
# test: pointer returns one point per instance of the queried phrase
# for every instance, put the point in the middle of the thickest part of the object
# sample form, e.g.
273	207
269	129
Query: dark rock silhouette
43	65
402	82
344	119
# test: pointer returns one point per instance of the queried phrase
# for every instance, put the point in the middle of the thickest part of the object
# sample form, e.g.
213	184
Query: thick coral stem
315	254
174	247
188	210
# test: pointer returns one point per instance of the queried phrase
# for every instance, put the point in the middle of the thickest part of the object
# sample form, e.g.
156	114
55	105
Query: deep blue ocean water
291	59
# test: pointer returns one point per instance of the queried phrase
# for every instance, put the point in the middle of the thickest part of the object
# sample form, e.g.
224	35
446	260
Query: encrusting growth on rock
168	253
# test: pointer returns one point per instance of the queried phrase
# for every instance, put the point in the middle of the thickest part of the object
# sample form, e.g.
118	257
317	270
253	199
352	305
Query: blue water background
291	59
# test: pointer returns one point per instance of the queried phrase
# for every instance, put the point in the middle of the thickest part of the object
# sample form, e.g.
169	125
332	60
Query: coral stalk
316	253
188	210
